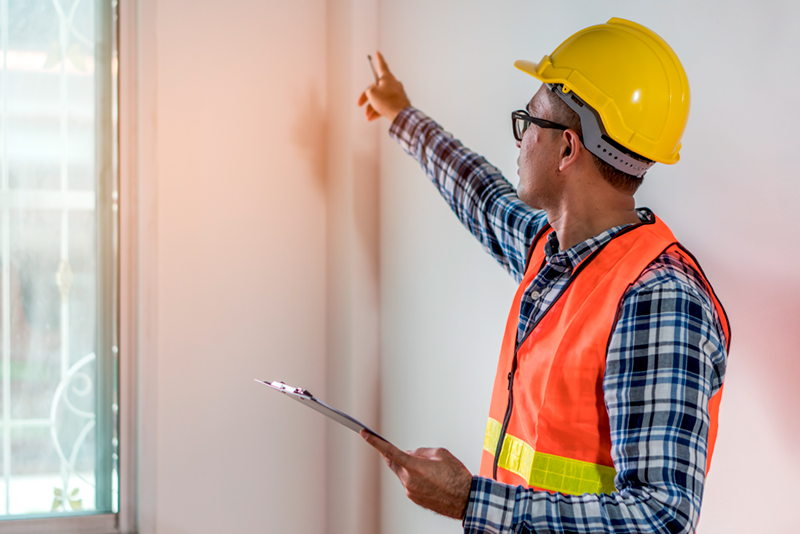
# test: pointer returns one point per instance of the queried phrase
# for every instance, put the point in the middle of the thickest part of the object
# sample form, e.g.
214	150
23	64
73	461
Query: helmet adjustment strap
597	141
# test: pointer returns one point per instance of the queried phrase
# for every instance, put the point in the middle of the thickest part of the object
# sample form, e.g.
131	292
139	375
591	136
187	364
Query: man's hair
563	114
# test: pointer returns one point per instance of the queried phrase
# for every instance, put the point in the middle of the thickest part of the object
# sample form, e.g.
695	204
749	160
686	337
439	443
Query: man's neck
572	226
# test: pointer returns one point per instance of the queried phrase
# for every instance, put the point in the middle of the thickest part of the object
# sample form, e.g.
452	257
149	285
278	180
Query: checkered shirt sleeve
666	358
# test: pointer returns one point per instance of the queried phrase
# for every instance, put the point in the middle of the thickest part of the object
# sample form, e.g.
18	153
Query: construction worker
604	409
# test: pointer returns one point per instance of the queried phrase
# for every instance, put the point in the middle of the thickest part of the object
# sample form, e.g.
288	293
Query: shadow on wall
309	134
765	330
366	205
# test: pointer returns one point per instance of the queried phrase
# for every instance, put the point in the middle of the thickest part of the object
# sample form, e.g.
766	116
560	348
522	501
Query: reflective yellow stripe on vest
547	471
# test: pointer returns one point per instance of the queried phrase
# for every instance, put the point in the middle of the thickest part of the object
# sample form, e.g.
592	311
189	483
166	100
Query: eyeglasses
521	120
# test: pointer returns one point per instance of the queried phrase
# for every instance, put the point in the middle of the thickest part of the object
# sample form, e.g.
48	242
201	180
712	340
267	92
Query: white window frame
138	265
136	47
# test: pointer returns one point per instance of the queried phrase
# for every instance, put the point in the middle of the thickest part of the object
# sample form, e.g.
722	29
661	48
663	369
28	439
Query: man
603	414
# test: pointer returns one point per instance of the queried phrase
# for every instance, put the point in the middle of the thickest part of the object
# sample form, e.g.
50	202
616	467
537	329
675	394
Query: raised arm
485	202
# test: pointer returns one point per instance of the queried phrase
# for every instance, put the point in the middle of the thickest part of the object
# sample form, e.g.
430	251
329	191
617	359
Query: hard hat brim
528	67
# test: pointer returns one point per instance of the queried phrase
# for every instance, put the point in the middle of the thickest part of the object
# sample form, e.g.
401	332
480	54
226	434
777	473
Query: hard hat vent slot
594	135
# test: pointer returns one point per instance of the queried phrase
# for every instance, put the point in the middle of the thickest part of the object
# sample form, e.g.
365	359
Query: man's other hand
433	478
386	97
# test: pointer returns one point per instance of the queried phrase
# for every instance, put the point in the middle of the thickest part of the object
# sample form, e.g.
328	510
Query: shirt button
535	295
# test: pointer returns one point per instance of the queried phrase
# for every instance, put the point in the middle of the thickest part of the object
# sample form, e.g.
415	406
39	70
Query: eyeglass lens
520	126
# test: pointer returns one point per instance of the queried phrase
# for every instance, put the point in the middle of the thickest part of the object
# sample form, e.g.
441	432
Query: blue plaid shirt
666	358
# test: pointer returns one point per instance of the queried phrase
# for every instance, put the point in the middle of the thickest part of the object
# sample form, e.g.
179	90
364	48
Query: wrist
396	113
470	500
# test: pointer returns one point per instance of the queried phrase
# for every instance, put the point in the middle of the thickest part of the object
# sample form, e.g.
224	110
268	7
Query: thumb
389	451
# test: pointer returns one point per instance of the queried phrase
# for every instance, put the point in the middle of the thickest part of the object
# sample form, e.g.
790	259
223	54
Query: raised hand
386	97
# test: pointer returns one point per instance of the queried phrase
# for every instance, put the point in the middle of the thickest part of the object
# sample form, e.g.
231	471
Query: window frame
136	282
67	524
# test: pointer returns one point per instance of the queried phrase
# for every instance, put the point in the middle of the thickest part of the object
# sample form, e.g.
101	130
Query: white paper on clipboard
307	399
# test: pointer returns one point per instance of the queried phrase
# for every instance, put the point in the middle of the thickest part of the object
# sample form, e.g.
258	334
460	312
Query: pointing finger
381	66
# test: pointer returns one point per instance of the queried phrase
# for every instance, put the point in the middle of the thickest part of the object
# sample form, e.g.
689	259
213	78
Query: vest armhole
716	301
712	294
625	293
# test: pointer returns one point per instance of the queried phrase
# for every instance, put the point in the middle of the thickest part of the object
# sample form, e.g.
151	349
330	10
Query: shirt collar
577	253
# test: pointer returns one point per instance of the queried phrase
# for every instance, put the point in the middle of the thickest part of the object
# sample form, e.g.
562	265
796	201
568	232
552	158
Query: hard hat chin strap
597	141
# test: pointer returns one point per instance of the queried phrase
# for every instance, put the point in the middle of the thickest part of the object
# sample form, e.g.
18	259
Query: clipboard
305	398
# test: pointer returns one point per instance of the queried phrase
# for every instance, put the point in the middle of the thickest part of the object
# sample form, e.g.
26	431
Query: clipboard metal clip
288	389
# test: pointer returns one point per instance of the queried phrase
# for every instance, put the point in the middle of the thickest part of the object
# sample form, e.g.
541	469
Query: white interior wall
243	230
730	200
240	89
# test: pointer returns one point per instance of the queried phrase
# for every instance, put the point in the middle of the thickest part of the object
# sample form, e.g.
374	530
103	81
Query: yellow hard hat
634	84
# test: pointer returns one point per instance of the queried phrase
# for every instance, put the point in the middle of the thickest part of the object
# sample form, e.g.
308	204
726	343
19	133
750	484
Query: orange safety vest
548	409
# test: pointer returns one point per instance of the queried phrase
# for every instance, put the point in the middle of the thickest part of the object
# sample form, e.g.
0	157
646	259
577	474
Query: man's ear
570	148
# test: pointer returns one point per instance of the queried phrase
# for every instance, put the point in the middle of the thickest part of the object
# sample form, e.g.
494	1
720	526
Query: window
58	261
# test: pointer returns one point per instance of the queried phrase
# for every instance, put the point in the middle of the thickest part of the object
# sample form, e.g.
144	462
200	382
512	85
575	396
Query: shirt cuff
490	508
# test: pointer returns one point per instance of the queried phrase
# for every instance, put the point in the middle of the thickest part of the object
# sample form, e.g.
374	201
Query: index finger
381	66
386	449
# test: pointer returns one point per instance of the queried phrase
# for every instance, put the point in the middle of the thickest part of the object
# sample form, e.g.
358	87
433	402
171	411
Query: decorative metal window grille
58	258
